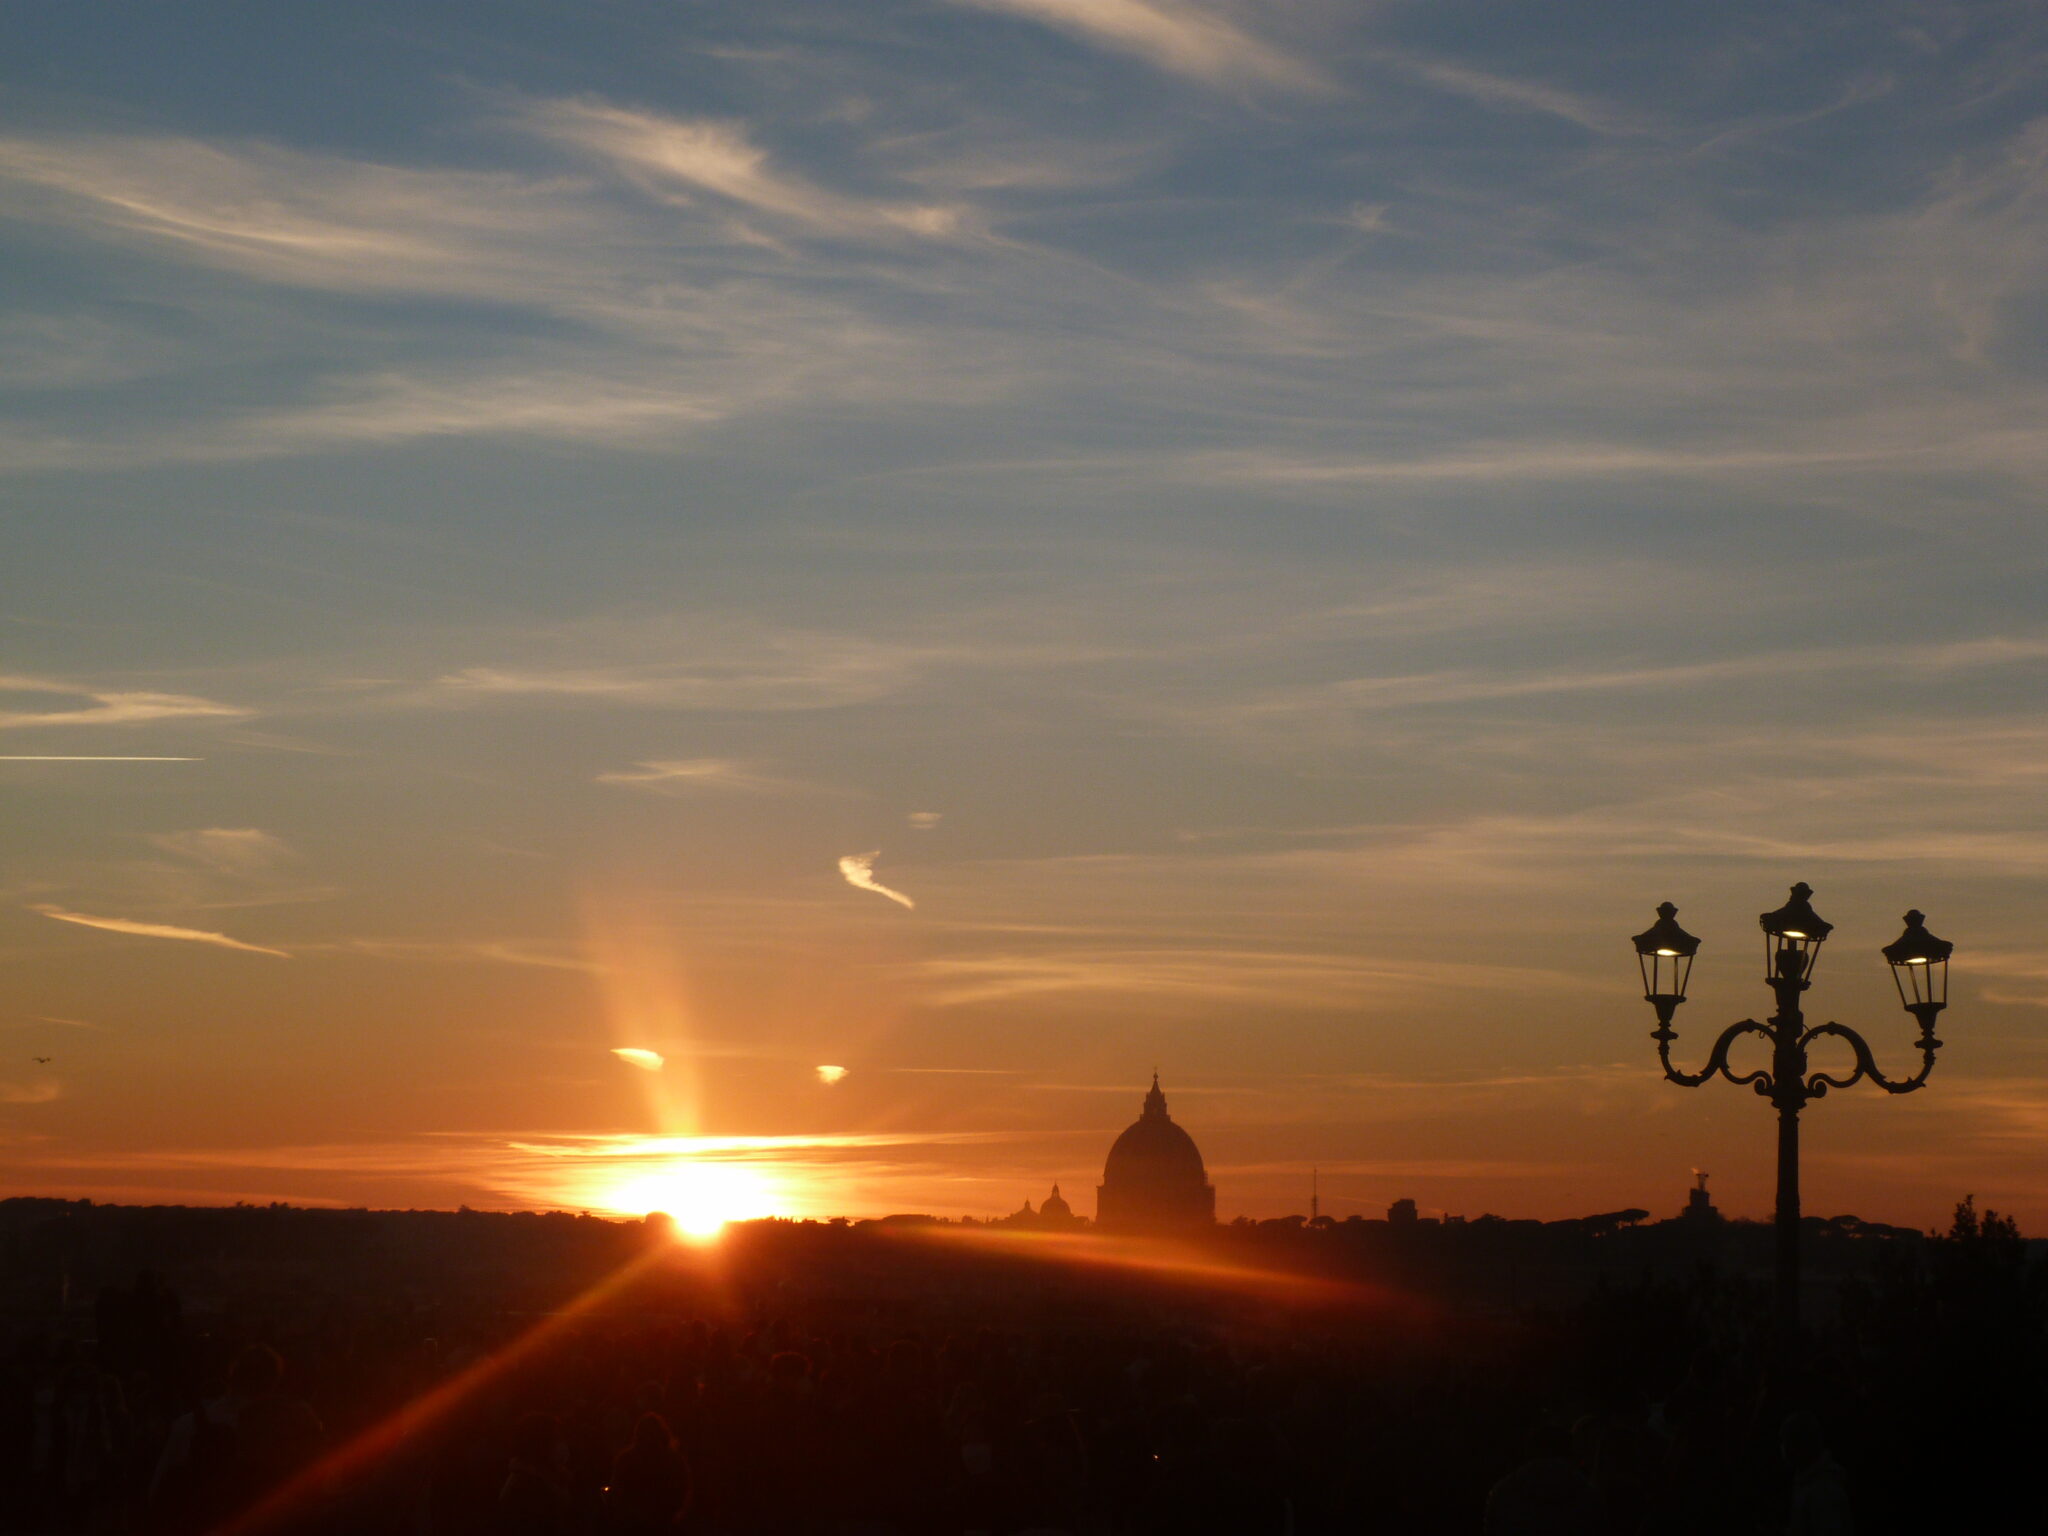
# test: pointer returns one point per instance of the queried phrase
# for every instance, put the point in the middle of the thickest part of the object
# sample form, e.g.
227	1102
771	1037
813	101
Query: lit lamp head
1793	936
1919	963
1664	954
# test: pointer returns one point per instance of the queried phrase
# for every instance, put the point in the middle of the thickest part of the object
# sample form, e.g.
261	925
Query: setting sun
702	1196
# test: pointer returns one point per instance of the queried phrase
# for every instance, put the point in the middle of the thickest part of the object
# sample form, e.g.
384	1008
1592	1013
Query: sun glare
701	1195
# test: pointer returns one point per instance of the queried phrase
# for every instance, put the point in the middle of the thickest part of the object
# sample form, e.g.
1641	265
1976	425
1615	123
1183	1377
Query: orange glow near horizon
1197	1265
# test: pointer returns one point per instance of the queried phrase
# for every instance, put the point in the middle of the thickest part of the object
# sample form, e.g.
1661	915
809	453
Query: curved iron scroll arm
1717	1059
1866	1064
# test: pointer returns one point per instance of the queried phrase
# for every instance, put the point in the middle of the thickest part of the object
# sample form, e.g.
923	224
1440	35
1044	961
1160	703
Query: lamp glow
1919	963
1793	936
1664	954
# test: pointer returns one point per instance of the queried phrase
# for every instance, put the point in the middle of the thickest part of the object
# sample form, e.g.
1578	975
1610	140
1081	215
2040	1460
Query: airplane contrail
859	869
633	1056
157	931
117	758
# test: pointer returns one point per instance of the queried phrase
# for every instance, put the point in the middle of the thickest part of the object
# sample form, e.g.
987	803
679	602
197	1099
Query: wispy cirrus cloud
704	155
631	408
540	954
1179	975
226	850
71	350
768	673
1989	442
81	705
1336	699
1183	39
1506	93
656	346
291	216
694	775
205	870
27	757
157	931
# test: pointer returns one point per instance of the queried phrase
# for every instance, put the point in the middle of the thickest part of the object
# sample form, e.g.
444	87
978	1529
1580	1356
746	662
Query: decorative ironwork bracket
1717	1059
1866	1064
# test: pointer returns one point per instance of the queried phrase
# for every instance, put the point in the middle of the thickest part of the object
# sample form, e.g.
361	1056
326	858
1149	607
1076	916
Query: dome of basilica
1154	1179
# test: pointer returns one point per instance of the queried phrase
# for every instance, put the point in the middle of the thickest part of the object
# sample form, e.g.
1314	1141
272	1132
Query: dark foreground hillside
175	1371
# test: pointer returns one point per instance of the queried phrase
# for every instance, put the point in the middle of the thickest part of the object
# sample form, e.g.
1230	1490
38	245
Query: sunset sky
997	545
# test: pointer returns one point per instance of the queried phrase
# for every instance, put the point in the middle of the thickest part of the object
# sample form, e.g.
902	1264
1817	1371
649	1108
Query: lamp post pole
1788	1067
1792	938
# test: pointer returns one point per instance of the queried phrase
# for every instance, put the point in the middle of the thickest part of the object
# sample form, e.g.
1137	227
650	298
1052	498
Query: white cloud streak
771	673
1180	38
157	931
662	346
300	218
91	707
694	775
241	851
719	158
1265	709
540	955
1505	93
1212	974
23	757
859	872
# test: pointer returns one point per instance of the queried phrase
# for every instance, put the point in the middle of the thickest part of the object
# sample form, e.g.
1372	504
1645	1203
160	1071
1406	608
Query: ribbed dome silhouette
1154	1180
1154	1147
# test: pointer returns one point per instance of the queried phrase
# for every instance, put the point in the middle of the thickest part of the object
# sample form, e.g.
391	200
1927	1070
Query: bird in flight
41	1061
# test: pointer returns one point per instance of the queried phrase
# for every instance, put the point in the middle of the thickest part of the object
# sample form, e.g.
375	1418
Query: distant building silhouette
1698	1207
1053	1216
1154	1180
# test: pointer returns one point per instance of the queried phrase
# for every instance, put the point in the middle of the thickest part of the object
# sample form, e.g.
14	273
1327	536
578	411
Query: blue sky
1287	528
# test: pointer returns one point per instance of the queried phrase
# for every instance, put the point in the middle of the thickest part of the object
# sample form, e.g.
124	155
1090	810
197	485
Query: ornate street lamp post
1793	936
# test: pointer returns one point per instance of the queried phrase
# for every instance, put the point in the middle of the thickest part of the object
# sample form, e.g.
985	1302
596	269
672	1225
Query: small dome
1055	1206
